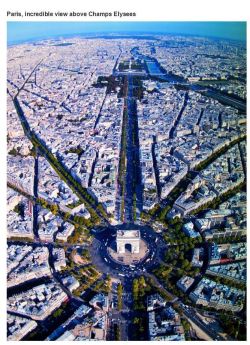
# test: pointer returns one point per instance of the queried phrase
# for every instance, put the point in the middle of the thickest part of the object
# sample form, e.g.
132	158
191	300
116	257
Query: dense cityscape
126	197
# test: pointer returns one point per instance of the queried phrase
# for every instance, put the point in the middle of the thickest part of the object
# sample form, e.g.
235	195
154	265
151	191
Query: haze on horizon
18	32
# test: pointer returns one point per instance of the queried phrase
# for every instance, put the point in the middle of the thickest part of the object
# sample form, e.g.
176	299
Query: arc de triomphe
131	237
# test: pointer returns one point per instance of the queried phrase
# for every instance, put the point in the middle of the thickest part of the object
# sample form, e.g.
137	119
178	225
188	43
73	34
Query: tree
196	270
117	333
119	295
57	313
135	290
177	250
186	325
142	282
163	212
136	321
54	209
185	264
181	257
141	329
66	216
19	209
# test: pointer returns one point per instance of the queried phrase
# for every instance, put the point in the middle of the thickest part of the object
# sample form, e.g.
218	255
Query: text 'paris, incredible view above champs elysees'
126	197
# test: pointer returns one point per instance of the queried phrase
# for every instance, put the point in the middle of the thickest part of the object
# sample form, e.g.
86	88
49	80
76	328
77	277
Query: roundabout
128	260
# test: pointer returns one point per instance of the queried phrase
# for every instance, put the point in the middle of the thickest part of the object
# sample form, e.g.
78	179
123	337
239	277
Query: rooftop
128	234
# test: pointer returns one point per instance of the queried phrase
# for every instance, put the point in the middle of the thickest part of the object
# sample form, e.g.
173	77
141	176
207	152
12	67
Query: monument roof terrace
128	234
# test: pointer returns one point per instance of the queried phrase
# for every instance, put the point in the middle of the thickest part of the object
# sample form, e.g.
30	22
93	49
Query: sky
24	31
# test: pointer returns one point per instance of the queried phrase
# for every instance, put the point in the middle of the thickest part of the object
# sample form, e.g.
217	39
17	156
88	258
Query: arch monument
128	237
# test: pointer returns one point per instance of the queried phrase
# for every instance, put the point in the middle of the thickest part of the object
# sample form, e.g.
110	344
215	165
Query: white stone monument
131	237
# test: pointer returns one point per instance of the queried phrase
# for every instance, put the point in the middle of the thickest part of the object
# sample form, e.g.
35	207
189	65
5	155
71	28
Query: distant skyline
18	32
